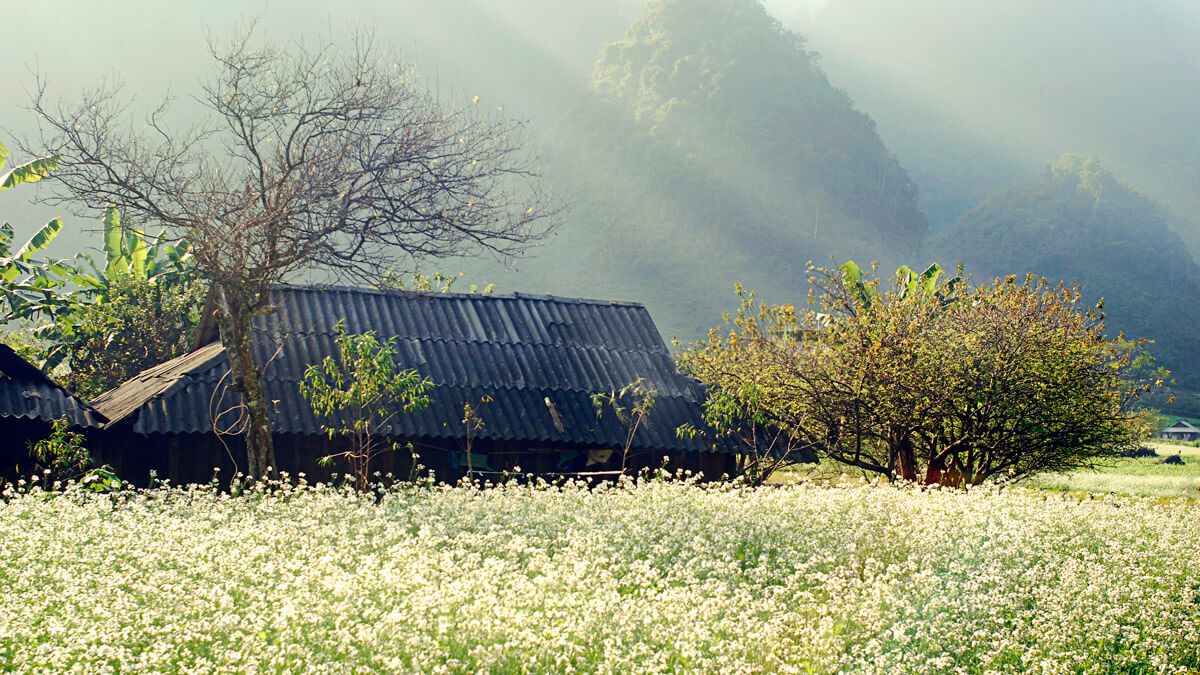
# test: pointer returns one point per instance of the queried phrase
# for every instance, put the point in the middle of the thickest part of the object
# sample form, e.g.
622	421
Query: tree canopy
934	380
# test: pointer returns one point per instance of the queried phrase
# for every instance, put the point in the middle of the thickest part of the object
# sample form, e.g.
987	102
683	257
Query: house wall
1180	435
15	436
197	458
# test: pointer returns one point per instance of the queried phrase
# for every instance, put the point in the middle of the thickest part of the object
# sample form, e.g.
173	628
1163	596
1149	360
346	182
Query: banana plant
128	255
908	283
29	286
29	172
58	294
129	252
861	288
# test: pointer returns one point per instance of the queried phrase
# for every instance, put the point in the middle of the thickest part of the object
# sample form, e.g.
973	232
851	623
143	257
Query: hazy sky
1034	78
527	55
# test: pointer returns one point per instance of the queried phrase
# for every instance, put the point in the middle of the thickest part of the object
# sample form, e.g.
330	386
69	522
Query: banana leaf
114	244
40	240
929	278
29	172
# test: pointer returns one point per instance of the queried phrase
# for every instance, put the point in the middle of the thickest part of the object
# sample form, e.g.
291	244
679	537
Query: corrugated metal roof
156	383
520	351
26	392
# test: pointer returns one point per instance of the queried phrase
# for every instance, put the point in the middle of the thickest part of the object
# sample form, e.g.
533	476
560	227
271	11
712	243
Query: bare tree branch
313	158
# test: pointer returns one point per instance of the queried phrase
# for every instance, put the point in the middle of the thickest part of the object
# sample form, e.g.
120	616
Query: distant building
528	364
29	401
1180	431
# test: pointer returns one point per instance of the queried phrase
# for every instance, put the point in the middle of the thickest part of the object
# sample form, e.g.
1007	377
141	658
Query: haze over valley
706	142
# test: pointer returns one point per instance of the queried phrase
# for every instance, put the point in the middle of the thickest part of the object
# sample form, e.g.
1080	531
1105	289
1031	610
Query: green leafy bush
359	392
63	452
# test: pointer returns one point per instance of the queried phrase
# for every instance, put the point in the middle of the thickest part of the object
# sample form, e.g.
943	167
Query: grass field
1164	449
1143	477
657	577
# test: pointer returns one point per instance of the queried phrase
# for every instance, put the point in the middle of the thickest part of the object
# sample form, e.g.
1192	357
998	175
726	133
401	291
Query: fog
968	94
529	56
1027	81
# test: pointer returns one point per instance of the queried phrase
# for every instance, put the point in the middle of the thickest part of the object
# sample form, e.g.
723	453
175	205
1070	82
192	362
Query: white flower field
653	577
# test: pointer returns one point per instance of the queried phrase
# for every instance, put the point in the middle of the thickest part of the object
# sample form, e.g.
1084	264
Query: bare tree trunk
234	319
935	472
902	448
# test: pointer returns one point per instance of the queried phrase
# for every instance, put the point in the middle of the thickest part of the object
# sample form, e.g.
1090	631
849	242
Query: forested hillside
710	148
1078	222
973	95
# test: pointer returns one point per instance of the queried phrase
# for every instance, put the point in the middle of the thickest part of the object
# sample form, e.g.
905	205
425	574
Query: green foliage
359	392
66	463
125	251
29	287
29	172
63	452
631	404
951	384
138	324
19	262
106	324
131	254
762	446
103	480
136	310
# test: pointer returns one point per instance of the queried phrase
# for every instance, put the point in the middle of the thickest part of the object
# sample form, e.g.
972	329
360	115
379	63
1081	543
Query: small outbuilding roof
1182	425
539	359
28	393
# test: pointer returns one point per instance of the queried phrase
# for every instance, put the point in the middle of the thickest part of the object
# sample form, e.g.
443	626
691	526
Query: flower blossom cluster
656	576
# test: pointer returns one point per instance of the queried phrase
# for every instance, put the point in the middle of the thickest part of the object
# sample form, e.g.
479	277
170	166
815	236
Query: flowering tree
933	381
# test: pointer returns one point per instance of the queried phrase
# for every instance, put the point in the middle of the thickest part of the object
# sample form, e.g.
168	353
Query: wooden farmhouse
529	365
1180	431
29	401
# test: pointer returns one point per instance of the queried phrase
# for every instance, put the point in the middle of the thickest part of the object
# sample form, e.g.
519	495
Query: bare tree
310	159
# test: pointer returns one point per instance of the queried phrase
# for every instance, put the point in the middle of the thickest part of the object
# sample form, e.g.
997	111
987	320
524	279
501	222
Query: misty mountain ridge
709	148
1078	222
712	144
973	95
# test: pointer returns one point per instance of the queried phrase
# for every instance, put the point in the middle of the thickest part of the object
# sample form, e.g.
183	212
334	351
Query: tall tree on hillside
312	158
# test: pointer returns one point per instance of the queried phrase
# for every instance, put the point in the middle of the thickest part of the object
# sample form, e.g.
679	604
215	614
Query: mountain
974	95
1077	222
711	148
